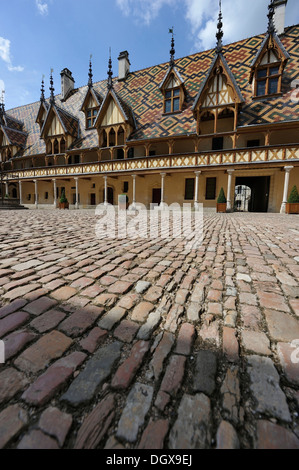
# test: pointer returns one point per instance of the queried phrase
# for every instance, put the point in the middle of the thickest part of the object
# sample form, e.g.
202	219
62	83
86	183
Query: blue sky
37	35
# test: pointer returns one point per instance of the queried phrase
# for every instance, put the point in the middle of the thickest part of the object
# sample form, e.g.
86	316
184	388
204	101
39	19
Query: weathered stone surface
185	339
56	423
81	320
150	325
161	353
37	440
40	354
97	369
192	427
12	420
282	327
111	318
96	424
13	321
16	341
11	382
48	320
133	415
227	437
154	435
94	339
272	436
231	395
265	388
256	341
12	307
126	371
204	378
40	305
173	375
289	359
142	286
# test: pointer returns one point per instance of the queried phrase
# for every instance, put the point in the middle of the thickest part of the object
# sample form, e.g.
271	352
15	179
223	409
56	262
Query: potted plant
63	202
292	206
221	201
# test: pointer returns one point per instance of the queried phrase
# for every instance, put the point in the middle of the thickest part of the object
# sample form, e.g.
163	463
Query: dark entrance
259	186
156	198
110	195
92	199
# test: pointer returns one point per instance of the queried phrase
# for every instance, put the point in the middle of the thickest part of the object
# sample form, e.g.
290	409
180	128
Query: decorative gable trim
123	109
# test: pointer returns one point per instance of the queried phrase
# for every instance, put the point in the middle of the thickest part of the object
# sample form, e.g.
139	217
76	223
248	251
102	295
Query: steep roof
141	93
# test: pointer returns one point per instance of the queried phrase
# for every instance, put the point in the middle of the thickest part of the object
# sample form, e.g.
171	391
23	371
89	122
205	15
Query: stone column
55	193
133	205
162	189
20	192
287	170
229	187
196	205
105	191
36	193
6	188
77	193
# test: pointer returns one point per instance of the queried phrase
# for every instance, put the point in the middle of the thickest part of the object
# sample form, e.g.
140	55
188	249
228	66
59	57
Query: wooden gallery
175	132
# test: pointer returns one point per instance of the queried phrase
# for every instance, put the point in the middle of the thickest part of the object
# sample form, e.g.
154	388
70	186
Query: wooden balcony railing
285	153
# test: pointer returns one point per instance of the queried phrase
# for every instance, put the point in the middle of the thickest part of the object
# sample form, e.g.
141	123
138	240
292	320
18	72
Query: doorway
92	199
110	195
255	190
156	196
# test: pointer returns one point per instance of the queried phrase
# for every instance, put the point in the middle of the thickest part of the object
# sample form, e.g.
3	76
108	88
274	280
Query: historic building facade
175	132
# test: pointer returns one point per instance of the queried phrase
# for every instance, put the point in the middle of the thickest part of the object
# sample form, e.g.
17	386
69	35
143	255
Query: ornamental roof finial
52	98
90	72
42	90
172	50
219	34
110	73
271	8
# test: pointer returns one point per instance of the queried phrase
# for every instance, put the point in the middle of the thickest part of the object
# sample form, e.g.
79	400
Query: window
253	143
172	100
76	159
217	143
46	195
131	152
267	80
120	154
126	187
210	188
91	115
152	153
189	189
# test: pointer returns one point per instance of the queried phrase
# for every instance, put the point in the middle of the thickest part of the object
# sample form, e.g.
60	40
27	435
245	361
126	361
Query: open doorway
252	193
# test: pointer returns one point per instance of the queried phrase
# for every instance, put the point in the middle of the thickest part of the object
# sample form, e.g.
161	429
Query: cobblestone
138	344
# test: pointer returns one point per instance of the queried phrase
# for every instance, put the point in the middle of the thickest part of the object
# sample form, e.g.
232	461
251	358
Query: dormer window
91	115
172	100
173	91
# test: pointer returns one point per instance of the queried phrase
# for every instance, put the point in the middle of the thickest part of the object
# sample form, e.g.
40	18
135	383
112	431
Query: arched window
62	145
56	146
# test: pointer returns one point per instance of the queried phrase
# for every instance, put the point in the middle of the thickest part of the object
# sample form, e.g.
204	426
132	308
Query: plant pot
221	206
292	208
63	205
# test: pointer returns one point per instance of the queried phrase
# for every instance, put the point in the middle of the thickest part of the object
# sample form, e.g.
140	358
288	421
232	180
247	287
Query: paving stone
256	341
272	436
127	370
185	339
37	440
282	327
192	430
141	311
230	344
106	300
142	286
193	311
154	435
120	287
273	301
150	325
265	388
96	424
173	318
112	317
205	372
209	332
29	264
55	377
12	420
40	354
136	408
11	383
13	321
48	320
231	395
64	293
40	305
56	423
126	331
97	369
160	355
174	374
128	301
77	323
96	337
16	341
227	437
20	291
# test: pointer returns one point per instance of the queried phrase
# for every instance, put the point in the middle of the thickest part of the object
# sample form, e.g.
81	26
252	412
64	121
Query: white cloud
5	55
42	7
143	9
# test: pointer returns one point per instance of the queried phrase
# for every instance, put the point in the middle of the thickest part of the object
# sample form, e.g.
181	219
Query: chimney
279	16
123	65
67	83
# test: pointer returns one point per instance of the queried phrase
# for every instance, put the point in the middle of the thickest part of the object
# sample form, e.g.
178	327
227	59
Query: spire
109	83
172	50
271	8
219	34
52	99
90	72
42	90
2	104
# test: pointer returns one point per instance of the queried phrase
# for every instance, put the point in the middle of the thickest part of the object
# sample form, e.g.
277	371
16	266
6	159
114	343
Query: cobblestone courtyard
136	344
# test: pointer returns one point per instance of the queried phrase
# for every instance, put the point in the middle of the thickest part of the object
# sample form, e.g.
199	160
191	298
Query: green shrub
294	196
221	198
63	199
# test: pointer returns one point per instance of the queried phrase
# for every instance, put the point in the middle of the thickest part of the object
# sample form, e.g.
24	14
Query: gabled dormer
172	86
115	120
43	108
269	63
219	97
12	137
60	129
91	103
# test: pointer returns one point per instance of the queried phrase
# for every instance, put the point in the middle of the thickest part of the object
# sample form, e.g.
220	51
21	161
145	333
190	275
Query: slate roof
140	92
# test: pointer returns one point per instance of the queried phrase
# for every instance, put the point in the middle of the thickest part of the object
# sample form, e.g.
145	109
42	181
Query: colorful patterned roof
140	92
